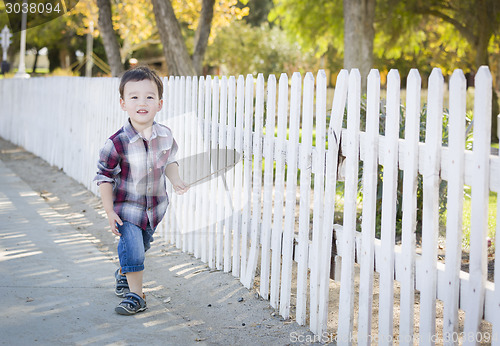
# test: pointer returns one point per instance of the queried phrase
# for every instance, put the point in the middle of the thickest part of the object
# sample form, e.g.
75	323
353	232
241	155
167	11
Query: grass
492	217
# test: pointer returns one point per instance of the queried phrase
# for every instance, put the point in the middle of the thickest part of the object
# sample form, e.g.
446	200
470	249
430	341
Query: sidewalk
57	288
57	260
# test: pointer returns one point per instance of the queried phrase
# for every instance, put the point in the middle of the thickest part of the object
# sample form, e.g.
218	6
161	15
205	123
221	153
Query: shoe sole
121	310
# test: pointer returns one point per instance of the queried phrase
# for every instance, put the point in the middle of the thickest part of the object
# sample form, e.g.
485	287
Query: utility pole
21	71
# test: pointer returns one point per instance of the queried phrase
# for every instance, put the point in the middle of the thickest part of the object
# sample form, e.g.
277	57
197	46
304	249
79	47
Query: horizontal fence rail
272	163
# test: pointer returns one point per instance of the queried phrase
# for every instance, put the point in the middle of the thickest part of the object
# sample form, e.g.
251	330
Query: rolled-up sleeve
108	166
172	155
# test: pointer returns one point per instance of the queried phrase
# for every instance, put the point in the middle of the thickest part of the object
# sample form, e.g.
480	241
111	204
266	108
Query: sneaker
132	304
121	288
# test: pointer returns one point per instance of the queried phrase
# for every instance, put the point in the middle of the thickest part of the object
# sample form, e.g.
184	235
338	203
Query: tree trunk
36	60
359	33
109	39
174	48
480	44
202	34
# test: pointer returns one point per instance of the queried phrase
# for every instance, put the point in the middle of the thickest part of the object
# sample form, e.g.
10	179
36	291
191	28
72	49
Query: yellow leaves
225	12
134	20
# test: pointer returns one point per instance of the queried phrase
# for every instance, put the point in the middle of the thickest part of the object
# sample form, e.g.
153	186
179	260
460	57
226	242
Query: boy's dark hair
138	74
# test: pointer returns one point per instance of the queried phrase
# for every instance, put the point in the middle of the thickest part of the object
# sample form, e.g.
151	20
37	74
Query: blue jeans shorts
132	247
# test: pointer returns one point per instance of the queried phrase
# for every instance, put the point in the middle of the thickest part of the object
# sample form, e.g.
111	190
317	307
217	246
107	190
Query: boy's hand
180	187
114	219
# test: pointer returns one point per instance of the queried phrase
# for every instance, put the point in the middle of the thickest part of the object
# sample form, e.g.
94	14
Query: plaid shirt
136	168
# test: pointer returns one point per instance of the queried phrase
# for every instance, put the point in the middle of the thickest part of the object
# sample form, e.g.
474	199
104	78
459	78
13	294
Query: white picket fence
254	220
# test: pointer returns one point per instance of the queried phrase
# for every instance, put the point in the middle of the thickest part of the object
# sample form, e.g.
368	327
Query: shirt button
150	169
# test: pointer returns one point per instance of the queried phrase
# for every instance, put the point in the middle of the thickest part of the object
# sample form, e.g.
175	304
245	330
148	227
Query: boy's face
141	101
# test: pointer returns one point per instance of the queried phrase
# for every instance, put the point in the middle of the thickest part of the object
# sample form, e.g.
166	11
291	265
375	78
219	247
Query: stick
217	171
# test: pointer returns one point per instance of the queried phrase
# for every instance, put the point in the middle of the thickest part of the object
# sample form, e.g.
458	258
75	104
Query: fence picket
389	199
230	211
170	224
280	152
221	180
181	204
430	211
247	173
454	205
206	231
191	129
199	189
305	167
322	275
257	184
409	220
370	175
479	205
238	176
346	300
291	193
268	186
318	168
214	157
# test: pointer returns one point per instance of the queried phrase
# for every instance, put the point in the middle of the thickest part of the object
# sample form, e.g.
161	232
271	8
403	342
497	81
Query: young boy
131	175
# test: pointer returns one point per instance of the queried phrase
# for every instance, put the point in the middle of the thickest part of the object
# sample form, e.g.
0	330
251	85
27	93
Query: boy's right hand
114	219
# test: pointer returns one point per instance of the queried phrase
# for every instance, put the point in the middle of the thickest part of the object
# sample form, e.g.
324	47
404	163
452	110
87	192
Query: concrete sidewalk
58	288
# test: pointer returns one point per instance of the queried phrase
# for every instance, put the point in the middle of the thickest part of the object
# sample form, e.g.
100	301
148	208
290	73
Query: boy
131	175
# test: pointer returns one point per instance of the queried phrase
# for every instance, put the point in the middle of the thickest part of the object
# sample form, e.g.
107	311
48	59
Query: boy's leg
135	282
132	254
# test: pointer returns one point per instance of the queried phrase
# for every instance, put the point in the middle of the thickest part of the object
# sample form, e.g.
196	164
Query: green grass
492	217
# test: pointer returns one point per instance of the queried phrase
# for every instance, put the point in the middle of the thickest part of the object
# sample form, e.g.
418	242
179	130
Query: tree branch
202	34
469	36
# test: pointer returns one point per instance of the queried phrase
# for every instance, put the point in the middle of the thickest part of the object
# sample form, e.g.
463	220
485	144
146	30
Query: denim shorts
133	244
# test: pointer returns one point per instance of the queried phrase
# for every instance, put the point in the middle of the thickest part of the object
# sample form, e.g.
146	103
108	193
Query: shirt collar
133	135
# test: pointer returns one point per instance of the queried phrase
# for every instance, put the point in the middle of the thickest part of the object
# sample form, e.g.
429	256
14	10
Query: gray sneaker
121	288
132	304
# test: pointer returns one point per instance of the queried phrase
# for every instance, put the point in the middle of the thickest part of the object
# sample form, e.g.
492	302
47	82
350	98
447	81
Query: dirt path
214	304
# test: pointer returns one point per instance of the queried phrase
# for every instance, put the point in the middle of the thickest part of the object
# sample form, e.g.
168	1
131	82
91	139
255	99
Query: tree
477	21
211	14
338	27
109	38
359	33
